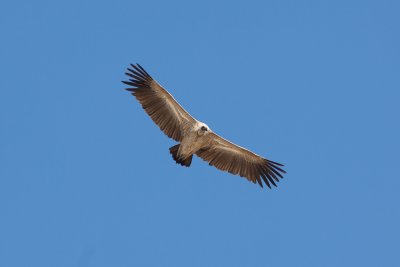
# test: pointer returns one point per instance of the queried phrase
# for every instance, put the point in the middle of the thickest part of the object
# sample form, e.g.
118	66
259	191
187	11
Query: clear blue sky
86	178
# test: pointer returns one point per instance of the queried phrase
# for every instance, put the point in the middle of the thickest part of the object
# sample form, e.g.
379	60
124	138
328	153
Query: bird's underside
195	137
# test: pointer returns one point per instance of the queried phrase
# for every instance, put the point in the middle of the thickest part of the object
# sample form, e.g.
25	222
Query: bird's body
191	142
195	137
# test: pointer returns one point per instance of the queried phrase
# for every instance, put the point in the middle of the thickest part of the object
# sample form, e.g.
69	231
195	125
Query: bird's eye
203	128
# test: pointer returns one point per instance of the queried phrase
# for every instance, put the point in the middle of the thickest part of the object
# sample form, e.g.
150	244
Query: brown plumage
195	137
174	152
157	102
229	157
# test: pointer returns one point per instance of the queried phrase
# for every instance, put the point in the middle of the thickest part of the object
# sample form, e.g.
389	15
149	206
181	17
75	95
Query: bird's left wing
237	160
160	105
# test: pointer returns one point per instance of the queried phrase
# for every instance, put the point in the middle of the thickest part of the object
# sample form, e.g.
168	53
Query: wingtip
276	163
128	83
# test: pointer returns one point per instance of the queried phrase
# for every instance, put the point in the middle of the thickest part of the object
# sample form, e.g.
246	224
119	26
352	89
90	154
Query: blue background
86	178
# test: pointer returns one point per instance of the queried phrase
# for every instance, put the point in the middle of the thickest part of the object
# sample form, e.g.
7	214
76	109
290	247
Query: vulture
195	137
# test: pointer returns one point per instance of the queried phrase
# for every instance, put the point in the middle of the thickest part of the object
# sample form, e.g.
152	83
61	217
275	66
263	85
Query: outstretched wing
237	160
158	103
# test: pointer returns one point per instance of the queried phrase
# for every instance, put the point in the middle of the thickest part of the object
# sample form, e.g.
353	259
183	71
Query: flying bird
195	137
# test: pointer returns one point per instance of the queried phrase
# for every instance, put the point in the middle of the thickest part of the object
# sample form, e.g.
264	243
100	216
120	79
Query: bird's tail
174	152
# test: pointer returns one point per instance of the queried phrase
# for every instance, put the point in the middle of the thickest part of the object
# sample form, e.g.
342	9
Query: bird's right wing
163	109
227	156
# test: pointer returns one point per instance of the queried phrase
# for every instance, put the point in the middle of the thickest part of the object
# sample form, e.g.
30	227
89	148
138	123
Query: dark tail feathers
184	162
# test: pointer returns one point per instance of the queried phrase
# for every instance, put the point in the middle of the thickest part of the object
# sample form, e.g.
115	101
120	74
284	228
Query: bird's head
203	129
